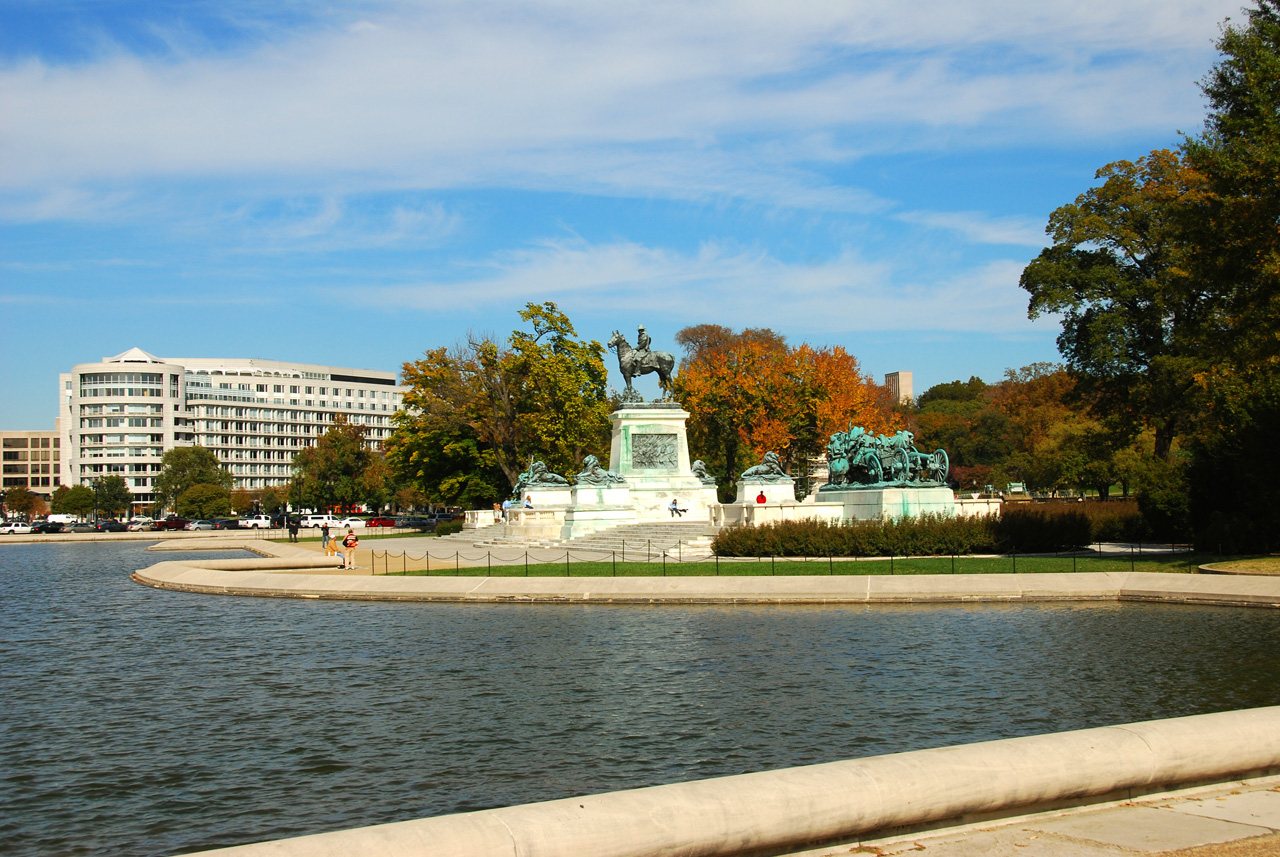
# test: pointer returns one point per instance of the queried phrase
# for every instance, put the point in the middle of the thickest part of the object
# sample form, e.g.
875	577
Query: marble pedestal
597	508
774	492
651	451
891	503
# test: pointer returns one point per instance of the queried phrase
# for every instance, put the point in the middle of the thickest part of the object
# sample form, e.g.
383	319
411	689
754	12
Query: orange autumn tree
749	393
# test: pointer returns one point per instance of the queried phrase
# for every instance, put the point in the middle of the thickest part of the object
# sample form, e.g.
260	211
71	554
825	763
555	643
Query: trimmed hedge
1041	530
448	528
929	535
1022	528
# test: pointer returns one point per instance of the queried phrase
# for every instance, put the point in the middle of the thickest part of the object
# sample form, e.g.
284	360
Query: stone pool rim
286	571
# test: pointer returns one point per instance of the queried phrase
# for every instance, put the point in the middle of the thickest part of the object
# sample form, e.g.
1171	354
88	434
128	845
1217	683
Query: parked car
173	522
110	527
199	525
141	525
225	523
318	521
351	524
256	522
17	528
48	527
380	522
424	525
81	527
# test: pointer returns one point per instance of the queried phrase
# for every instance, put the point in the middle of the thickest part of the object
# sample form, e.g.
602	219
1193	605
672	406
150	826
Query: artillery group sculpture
858	458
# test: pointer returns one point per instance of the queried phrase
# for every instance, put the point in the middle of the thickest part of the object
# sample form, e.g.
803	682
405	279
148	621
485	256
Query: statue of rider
642	347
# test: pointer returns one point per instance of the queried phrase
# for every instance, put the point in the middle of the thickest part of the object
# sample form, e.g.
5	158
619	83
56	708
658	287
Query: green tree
332	472
273	499
244	501
1133	317
58	495
113	495
19	501
476	413
185	467
1232	480
204	501
77	501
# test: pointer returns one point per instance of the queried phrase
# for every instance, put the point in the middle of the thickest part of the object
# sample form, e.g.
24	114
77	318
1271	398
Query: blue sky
353	183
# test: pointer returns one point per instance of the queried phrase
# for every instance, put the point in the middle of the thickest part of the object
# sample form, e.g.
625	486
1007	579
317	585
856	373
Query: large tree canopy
113	495
1132	314
1168	279
334	471
184	467
749	393
475	413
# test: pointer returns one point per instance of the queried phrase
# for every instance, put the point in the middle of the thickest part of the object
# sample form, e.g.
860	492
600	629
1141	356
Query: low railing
685	558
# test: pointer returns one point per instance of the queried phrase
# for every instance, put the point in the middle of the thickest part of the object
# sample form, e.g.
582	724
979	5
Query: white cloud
737	286
662	97
980	228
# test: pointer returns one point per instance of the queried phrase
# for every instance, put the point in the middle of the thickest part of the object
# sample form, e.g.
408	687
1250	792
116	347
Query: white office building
120	416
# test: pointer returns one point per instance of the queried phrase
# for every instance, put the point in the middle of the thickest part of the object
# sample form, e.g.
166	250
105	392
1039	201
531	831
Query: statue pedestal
651	450
865	504
774	492
598	496
557	497
597	508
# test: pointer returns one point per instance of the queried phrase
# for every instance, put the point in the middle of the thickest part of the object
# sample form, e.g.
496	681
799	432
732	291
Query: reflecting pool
140	721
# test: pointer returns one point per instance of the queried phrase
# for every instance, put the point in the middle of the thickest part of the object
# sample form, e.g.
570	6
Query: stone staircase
648	539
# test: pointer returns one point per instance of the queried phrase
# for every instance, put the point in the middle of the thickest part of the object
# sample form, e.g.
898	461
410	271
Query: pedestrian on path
293	529
351	542
324	535
506	509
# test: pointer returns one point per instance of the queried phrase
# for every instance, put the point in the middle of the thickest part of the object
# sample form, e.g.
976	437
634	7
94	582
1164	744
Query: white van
318	521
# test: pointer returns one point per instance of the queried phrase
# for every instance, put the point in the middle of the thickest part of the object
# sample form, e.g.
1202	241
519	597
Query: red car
380	522
173	522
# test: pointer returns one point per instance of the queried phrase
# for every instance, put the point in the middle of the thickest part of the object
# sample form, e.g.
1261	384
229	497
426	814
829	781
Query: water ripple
137	721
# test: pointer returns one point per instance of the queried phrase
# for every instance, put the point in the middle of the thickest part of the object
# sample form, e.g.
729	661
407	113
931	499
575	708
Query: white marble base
560	497
774	492
892	503
599	496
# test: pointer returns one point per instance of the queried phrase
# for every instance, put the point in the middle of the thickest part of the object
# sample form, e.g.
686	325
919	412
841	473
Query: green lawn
1182	563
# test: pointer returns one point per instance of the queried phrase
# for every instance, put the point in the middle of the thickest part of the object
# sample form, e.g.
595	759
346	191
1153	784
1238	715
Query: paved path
1242	820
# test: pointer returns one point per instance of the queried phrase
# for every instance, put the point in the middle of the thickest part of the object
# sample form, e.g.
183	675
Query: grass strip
1181	563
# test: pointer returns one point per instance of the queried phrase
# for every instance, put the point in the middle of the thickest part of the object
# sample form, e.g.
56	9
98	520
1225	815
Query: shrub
1042	529
929	535
449	528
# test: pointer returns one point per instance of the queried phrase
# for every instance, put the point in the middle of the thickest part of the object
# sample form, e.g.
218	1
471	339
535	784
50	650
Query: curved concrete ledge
776	812
253	578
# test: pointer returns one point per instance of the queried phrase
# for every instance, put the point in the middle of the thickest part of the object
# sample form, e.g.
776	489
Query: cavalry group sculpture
861	458
634	362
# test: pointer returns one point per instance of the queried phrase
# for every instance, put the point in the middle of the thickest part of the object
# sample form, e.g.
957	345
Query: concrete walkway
1239	820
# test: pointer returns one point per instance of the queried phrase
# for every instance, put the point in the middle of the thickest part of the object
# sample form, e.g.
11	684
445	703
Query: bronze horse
632	364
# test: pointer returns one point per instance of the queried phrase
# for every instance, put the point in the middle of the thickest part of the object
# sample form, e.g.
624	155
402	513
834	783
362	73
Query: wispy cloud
741	286
471	94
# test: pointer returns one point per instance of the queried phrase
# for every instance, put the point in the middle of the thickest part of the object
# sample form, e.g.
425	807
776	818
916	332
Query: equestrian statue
633	362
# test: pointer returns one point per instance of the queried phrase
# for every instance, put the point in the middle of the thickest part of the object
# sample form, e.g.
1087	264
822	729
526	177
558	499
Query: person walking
506	509
293	529
324	536
351	542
